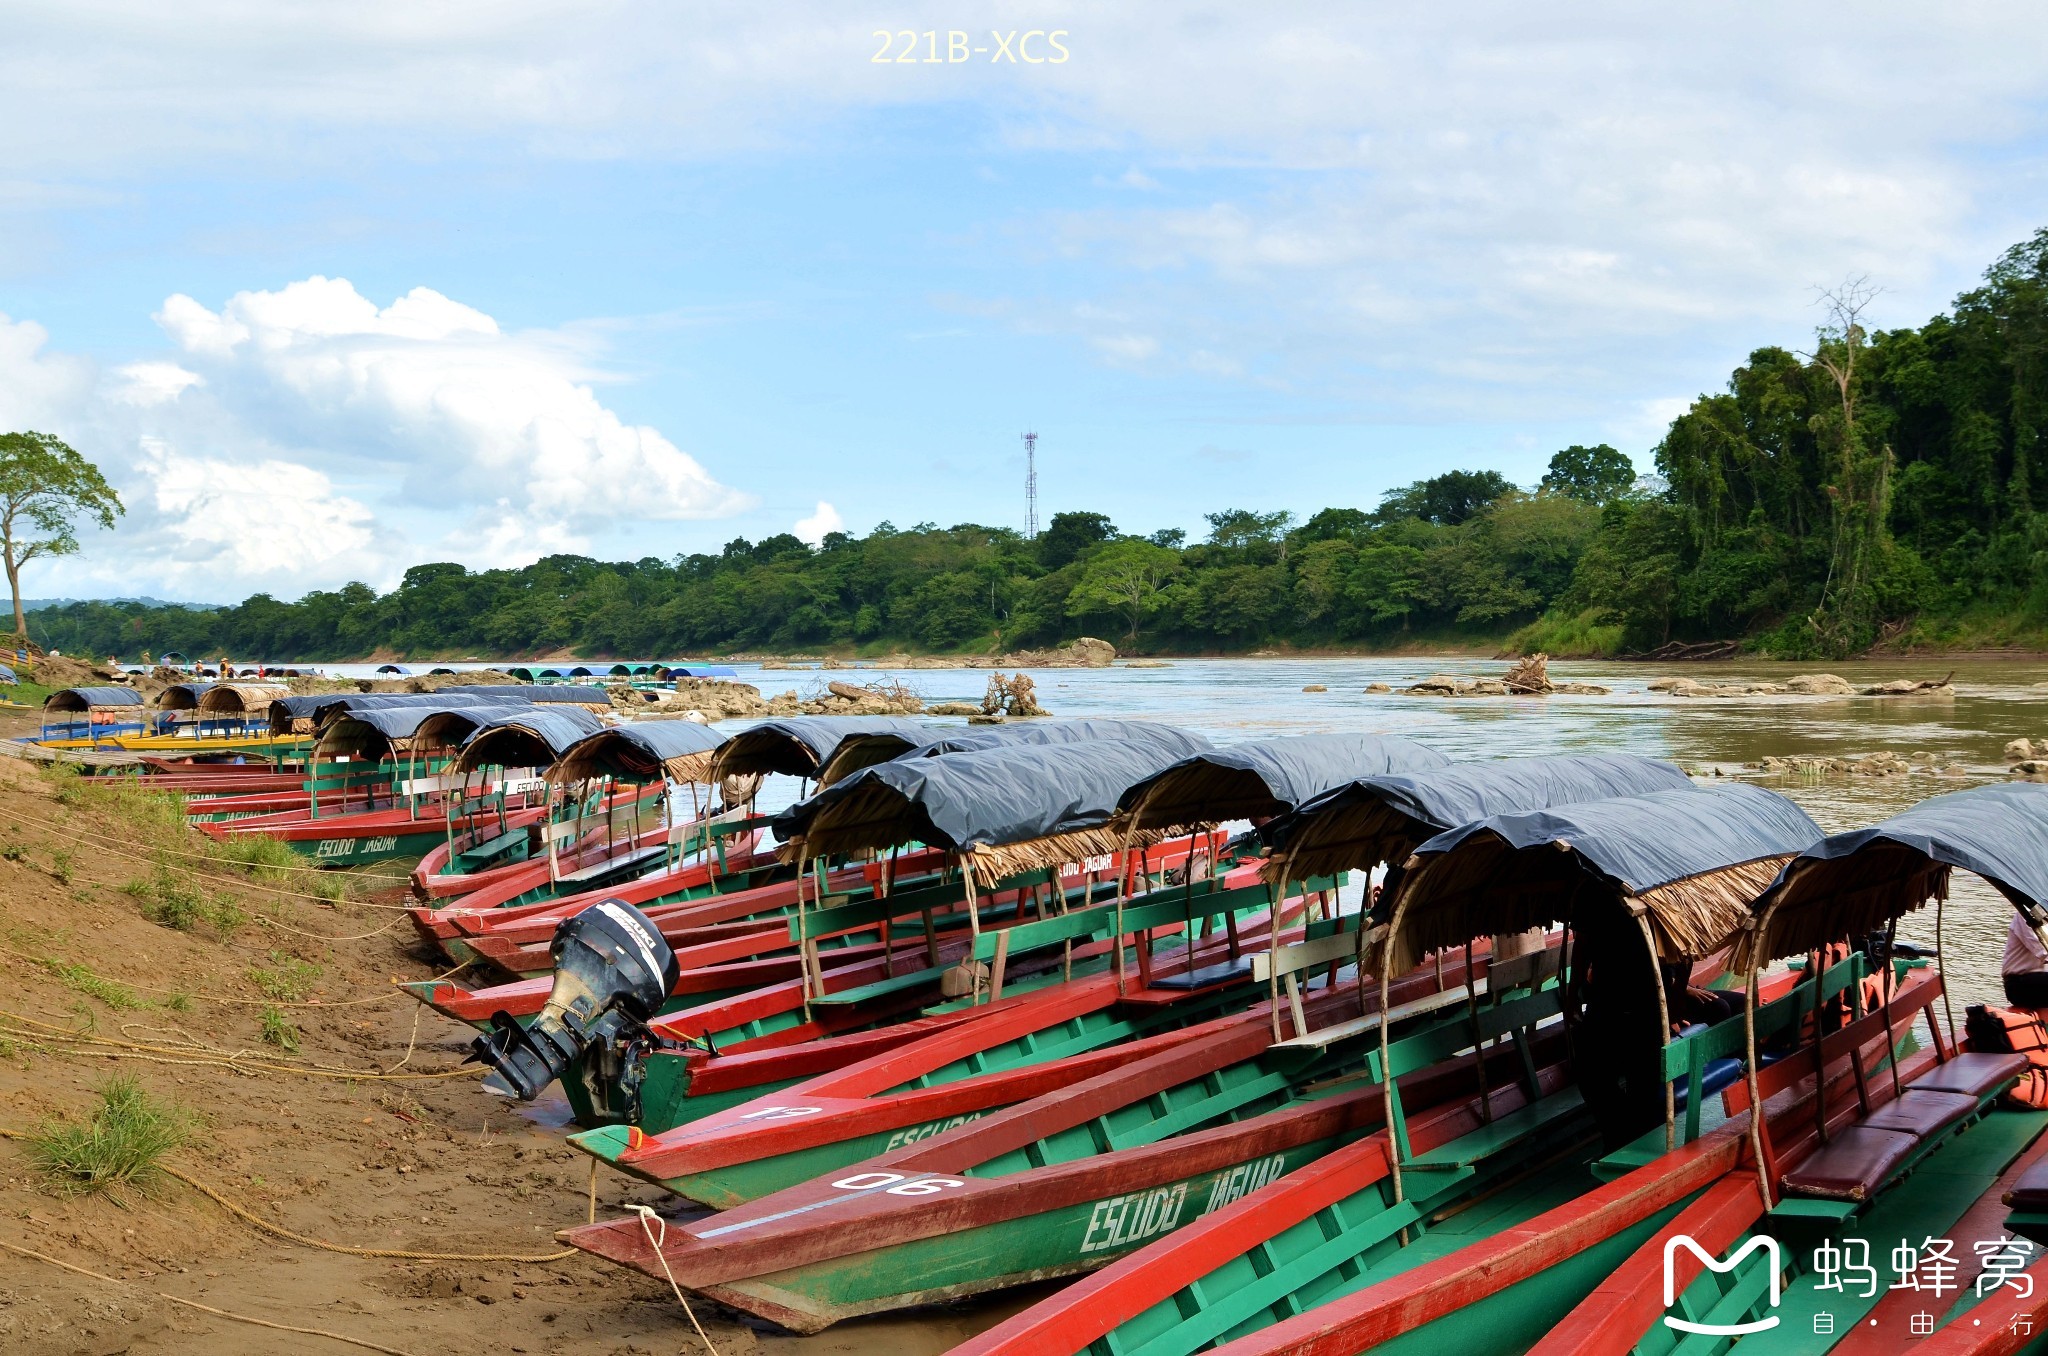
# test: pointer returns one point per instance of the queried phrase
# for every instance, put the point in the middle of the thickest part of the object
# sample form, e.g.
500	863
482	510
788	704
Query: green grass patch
117	1149
81	979
1579	636
278	1031
174	899
263	857
287	979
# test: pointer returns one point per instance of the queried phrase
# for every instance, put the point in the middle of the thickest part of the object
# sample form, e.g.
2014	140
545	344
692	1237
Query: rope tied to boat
648	1221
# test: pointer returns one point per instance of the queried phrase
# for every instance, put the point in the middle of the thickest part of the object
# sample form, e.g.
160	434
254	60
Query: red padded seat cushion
1852	1165
1922	1113
1977	1074
2030	1192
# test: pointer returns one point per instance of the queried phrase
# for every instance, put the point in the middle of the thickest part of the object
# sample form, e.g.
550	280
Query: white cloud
211	529
151	383
824	519
306	436
435	390
38	390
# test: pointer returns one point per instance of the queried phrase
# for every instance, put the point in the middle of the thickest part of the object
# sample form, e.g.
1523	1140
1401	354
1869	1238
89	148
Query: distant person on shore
2025	966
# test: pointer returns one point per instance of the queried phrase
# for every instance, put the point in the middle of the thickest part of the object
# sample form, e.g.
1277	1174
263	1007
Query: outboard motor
613	971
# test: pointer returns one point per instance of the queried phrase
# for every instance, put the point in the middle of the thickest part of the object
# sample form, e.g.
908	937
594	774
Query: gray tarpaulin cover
1642	842
555	726
1292	770
993	796
84	698
401	722
821	735
1180	742
1462	792
1857	882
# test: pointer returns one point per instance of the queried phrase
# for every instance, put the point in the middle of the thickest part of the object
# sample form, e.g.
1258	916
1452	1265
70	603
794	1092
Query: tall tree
45	487
1592	474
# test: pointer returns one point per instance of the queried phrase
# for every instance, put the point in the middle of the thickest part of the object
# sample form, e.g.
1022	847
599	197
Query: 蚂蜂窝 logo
1769	1246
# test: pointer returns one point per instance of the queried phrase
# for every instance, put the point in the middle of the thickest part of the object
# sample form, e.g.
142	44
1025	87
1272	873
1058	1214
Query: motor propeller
613	971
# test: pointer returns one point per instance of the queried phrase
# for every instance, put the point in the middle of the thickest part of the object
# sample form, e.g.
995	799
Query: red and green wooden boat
664	761
1052	1186
1911	1155
1011	1052
358	759
971	1209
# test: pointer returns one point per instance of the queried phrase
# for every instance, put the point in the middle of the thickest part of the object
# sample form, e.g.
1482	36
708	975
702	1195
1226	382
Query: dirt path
400	1162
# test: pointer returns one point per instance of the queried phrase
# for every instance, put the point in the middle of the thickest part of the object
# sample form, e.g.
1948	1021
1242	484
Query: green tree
1070	534
1448	499
1126	578
45	487
1592	475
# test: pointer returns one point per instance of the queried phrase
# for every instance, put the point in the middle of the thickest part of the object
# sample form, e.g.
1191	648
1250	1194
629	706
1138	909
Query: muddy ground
370	1135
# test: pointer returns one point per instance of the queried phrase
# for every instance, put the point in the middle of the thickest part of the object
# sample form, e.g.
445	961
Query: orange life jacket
2018	1032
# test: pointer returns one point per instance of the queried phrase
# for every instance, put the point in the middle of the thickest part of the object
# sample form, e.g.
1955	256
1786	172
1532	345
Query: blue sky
329	292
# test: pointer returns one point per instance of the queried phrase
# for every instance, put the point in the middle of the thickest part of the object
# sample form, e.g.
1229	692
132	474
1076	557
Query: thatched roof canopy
645	751
239	699
526	736
800	746
1693	859
1267	777
1378	819
1849	884
181	696
91	698
1004	809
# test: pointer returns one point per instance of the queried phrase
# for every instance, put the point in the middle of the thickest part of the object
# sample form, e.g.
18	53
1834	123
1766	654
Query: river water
1234	699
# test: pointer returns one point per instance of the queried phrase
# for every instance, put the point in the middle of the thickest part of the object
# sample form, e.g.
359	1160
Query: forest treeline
1881	487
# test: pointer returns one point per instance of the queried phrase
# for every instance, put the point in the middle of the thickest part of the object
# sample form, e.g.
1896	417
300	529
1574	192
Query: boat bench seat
1502	1134
1852	1165
1860	1158
2030	1192
1974	1073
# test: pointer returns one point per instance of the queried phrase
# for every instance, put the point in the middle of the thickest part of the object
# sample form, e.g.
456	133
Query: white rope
648	1219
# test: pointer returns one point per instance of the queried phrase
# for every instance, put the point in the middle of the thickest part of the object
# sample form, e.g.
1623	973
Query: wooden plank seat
1920	1113
1502	1134
2030	1192
1975	1073
1855	1162
1852	1165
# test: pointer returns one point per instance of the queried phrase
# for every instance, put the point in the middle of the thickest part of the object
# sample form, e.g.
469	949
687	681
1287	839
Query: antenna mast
1030	486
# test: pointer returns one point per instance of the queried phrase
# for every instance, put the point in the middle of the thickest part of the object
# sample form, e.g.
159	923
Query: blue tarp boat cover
800	746
1268	776
1641	842
1459	793
527	736
859	751
643	751
402	722
987	797
183	696
86	698
7	675
399	669
1696	857
701	671
1181	743
1853	883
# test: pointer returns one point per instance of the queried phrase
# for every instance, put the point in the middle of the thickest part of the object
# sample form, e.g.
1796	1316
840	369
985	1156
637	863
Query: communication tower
1030	486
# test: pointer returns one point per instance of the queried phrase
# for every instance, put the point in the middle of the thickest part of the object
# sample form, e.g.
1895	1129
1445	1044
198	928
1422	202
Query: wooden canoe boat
1009	1053
1056	1185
